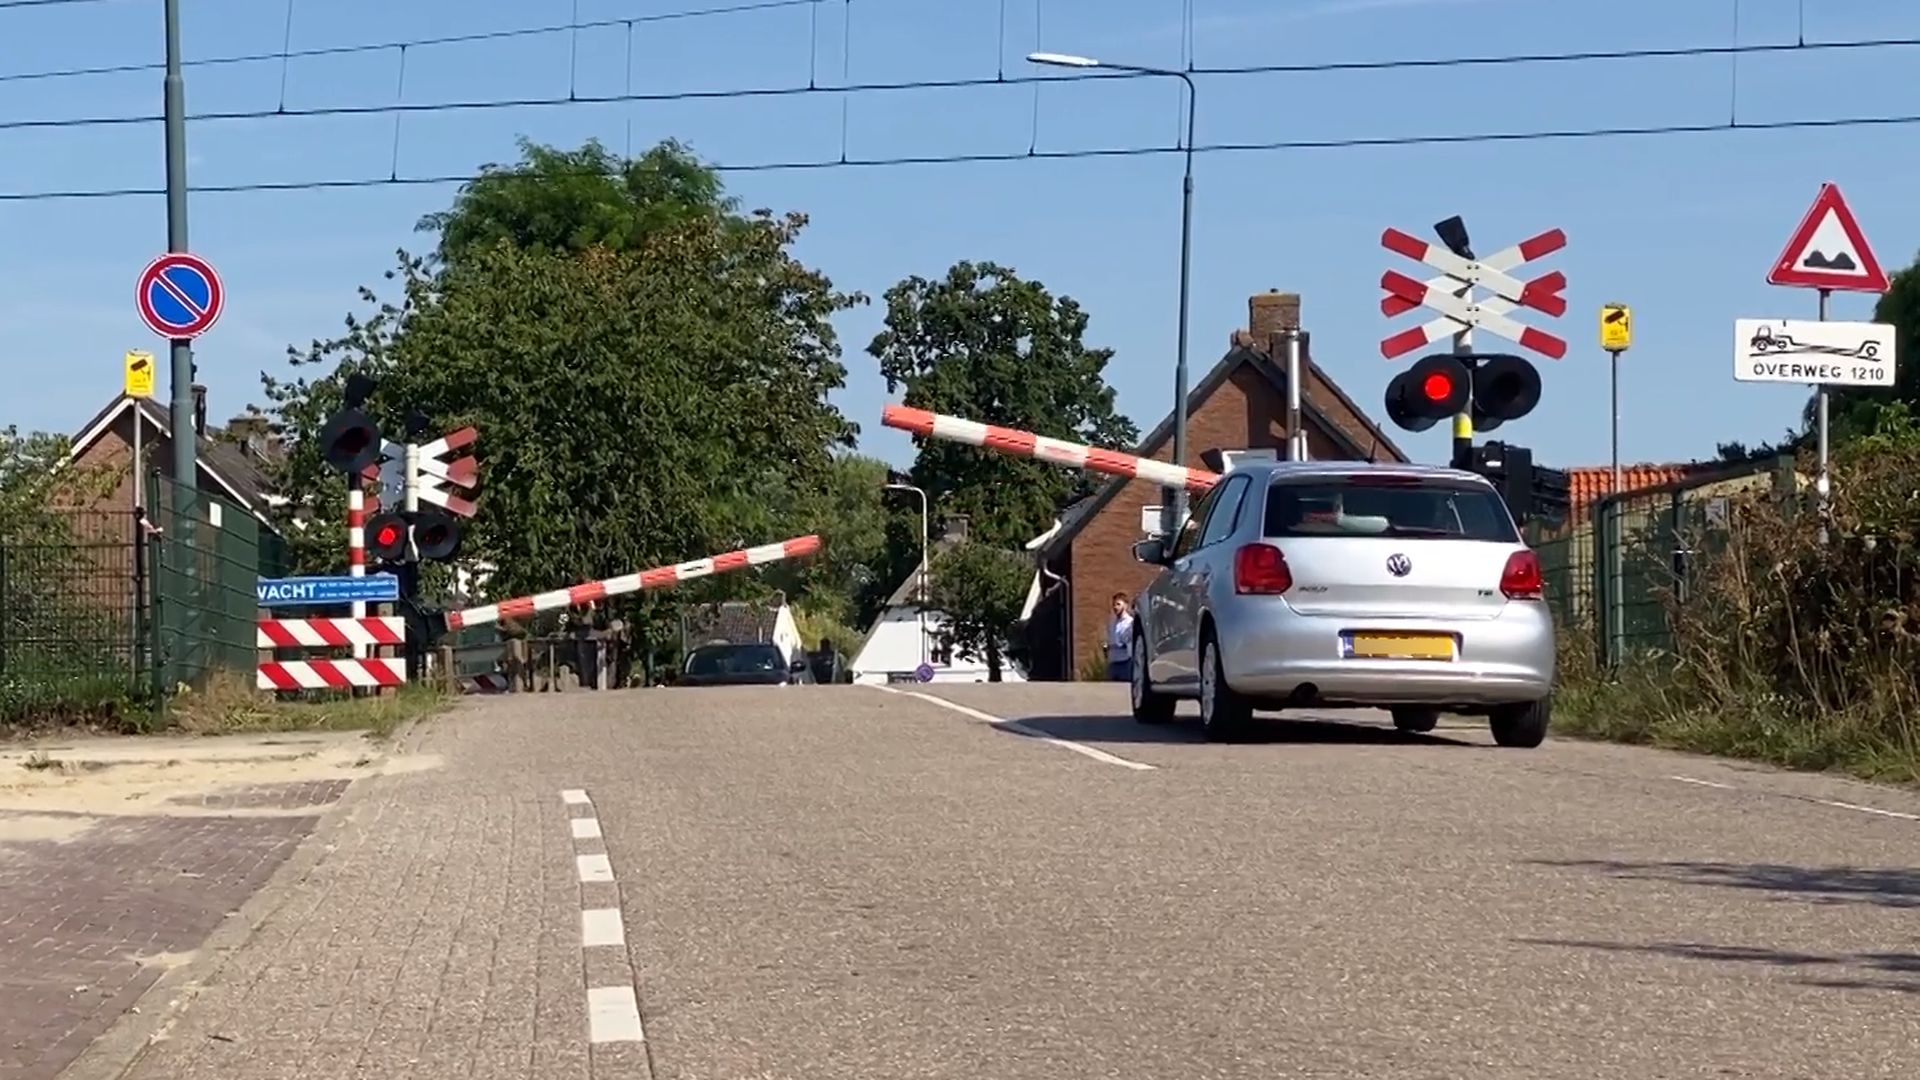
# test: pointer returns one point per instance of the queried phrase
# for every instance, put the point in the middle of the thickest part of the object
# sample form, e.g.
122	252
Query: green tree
849	578
572	200
981	590
987	345
1857	411
29	481
636	399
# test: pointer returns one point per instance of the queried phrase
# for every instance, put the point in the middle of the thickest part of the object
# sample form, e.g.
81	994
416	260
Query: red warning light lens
387	536
1437	387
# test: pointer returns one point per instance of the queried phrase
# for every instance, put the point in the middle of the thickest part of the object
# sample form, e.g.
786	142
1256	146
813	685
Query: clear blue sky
1682	227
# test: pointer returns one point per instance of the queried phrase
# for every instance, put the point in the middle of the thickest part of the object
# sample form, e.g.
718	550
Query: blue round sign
180	295
924	672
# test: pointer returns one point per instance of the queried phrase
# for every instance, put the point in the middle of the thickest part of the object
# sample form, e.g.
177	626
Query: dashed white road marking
613	1012
1702	783
1901	815
1025	729
602	927
613	1015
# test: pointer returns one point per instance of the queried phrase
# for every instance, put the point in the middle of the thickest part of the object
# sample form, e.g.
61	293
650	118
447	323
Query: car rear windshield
734	660
1389	505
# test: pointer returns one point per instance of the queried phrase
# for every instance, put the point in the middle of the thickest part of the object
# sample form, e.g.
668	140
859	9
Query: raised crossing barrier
1039	447
661	577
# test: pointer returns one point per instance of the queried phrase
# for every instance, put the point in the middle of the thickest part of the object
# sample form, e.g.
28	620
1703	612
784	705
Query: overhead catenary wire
736	8
1355	143
909	85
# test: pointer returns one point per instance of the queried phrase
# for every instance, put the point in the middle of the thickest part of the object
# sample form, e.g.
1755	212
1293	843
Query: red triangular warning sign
1828	251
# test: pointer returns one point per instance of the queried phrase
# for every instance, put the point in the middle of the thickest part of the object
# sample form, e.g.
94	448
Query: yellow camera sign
1616	328
140	374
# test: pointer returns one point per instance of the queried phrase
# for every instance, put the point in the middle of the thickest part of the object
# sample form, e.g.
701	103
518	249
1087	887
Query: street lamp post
1177	505
922	590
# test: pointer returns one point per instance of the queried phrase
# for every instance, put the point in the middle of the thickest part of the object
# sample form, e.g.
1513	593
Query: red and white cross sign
1452	293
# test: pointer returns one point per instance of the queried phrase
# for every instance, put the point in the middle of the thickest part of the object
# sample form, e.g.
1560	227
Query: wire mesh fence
70	625
1618	570
207	561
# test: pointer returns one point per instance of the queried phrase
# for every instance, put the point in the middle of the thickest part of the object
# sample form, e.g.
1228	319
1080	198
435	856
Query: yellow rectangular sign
140	374
1616	328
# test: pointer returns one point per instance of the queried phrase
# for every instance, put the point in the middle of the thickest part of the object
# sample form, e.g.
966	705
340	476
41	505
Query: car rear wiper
1420	530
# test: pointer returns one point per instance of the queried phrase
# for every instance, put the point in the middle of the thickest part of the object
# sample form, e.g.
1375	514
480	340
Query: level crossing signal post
1478	390
438	473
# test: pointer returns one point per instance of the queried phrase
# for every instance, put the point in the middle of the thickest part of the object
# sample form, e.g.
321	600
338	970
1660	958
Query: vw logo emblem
1399	565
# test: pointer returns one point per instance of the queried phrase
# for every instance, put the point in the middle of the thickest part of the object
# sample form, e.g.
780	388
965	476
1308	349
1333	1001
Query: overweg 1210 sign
1821	353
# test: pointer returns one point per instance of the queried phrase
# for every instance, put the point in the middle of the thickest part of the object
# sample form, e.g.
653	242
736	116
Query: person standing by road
1120	641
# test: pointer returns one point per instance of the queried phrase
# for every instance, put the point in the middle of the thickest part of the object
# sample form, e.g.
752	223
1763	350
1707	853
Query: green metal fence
70	634
1618	571
206	560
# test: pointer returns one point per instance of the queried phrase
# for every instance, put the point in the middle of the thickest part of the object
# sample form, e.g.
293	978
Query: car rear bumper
1277	653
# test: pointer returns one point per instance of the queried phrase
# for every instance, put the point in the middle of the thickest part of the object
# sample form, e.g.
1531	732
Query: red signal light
1437	386
387	535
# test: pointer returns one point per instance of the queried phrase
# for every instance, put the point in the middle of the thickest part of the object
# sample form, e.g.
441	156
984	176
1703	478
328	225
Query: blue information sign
923	673
314	591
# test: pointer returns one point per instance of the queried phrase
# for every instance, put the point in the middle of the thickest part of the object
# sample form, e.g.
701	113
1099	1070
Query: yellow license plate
1403	646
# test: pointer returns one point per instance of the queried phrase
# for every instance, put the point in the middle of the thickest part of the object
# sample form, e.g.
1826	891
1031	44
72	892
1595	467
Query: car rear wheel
1149	706
1224	715
1522	725
1416	721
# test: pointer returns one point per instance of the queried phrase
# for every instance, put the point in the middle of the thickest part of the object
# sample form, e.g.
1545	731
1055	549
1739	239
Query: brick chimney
1268	313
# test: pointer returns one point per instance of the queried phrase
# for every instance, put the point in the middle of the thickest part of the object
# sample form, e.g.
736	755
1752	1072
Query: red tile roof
1589	482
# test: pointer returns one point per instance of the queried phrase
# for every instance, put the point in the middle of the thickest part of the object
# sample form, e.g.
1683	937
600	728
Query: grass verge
230	705
1647	706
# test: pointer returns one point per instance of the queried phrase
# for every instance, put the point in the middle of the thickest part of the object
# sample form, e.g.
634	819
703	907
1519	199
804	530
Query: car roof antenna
1373	451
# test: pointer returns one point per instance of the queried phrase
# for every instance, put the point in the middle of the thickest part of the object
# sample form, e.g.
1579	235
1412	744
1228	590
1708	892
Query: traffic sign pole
1822	484
1828	251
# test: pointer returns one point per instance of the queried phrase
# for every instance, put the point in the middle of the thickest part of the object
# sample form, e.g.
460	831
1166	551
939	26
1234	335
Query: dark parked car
741	665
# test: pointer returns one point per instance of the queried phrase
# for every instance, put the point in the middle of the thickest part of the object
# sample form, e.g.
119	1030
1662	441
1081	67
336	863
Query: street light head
1062	60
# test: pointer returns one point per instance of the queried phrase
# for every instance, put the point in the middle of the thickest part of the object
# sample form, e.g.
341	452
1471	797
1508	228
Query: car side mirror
1153	551
797	667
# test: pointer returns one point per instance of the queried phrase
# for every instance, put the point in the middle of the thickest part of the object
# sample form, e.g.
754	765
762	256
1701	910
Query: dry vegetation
1785	650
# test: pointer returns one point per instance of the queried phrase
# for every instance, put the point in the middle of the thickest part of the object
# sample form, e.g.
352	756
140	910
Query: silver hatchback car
1340	584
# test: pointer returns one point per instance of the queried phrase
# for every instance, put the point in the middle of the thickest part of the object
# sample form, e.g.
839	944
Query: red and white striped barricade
1027	444
661	577
363	635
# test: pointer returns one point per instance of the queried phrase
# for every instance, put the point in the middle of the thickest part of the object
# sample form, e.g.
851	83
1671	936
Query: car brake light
1261	569
1521	579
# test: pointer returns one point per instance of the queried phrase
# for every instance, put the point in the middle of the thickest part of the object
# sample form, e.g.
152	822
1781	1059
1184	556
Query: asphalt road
853	882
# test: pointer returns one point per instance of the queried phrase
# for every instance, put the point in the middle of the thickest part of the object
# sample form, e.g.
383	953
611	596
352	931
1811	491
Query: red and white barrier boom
662	577
363	634
1053	451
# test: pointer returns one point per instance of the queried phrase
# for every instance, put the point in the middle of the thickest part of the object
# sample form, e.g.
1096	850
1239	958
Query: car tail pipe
660	577
1053	451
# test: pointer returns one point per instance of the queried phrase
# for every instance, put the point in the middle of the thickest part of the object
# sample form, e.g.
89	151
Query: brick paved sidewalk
93	909
430	929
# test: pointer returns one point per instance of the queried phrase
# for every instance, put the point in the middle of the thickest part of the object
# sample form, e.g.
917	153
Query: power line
737	93
284	54
5	4
1455	139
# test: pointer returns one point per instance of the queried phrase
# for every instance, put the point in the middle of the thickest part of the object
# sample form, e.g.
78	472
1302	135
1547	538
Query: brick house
1241	404
232	459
